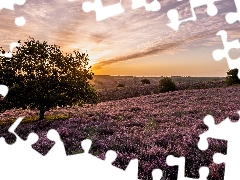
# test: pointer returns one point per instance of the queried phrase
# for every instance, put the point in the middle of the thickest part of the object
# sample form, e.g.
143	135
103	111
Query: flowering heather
136	90
149	128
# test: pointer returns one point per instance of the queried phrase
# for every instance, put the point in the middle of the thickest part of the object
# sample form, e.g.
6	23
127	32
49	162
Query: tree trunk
42	111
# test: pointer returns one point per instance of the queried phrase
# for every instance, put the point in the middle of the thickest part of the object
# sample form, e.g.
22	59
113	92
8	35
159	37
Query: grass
77	152
151	124
36	118
91	132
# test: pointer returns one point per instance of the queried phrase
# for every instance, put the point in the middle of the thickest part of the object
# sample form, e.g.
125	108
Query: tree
39	76
167	84
232	77
145	81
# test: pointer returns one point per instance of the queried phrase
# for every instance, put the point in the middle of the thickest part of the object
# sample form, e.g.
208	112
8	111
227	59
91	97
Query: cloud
191	34
132	35
157	48
98	37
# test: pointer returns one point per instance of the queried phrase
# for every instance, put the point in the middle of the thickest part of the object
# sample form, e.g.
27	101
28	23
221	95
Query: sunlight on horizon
136	42
90	63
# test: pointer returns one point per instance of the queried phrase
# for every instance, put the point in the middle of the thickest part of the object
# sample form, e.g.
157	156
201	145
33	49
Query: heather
148	127
136	90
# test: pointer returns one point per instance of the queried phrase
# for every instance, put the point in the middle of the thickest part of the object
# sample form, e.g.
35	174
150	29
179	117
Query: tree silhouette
39	76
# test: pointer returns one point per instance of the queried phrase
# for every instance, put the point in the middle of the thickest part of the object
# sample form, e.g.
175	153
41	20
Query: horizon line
154	76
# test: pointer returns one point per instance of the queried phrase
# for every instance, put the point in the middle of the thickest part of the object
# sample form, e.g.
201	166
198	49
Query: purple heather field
147	127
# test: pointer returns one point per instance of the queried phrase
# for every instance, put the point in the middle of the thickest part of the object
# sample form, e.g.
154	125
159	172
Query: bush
120	85
232	77
145	81
167	84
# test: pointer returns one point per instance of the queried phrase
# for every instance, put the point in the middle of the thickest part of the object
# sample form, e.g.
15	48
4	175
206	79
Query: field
108	82
137	121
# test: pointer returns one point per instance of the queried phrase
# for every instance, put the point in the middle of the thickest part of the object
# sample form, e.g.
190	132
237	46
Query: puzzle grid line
215	131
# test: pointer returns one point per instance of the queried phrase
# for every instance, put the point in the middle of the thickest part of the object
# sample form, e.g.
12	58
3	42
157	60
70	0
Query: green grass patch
150	124
77	152
53	117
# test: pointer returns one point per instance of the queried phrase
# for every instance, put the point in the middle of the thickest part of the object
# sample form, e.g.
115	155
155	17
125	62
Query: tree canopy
40	76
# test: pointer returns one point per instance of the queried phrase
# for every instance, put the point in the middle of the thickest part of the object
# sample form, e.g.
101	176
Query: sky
134	43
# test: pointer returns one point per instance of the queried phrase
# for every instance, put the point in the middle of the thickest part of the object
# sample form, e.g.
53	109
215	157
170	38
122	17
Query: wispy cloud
132	35
156	48
199	33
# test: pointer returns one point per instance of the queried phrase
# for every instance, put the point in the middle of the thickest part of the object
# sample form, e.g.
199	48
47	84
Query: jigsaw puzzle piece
103	12
12	46
23	148
93	163
58	150
132	169
153	6
231	161
18	154
232	17
9	137
20	21
216	131
41	128
9	4
224	53
157	174
4	129
3	90
180	162
173	14
233	148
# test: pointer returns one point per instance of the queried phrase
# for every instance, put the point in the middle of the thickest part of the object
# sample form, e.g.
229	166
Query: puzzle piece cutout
12	46
56	165
19	152
10	135
9	4
174	16
41	128
180	162
234	16
131	171
153	6
3	90
22	146
232	133
103	13
224	53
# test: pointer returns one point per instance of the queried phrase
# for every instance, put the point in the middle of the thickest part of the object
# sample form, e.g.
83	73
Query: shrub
232	77
145	81
120	85
167	84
